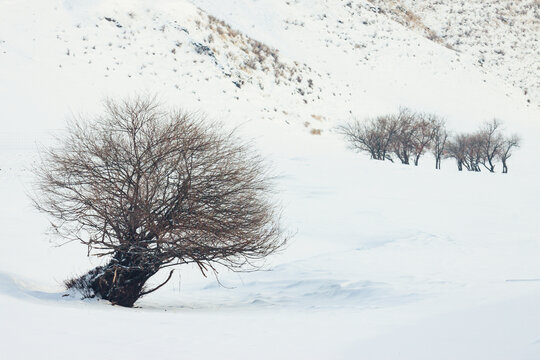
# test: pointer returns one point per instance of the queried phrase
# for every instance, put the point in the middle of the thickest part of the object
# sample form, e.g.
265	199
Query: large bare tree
151	189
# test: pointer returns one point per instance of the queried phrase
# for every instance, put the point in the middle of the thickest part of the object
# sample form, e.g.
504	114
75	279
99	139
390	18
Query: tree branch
157	287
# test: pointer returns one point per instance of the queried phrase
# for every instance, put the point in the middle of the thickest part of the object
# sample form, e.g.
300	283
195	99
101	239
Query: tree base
113	282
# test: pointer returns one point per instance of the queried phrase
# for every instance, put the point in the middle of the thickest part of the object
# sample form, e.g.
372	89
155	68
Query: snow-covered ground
388	261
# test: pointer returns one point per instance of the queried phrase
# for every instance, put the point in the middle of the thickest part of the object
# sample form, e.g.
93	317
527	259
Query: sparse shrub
150	189
252	56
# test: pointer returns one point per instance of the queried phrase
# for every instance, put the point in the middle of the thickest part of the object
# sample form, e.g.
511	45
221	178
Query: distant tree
457	148
374	136
491	143
402	143
467	150
410	134
413	135
150	190
508	144
473	152
423	134
439	142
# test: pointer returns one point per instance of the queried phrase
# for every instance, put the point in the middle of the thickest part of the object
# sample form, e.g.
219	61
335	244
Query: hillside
388	261
501	37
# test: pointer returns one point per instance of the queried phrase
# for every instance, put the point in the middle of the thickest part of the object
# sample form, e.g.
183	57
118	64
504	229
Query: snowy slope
500	36
388	261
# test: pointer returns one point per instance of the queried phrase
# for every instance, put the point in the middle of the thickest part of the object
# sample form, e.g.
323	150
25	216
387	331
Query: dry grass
251	56
400	14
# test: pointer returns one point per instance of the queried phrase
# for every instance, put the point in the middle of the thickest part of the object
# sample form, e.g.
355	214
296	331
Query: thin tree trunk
491	166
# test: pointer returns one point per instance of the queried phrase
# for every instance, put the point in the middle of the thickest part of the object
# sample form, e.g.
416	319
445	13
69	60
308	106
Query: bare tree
456	148
440	138
505	152
403	141
374	136
491	143
423	135
473	152
409	134
414	135
150	190
466	149
404	135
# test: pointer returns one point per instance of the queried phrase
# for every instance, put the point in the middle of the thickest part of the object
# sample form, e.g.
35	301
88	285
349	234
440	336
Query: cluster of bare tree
408	135
482	148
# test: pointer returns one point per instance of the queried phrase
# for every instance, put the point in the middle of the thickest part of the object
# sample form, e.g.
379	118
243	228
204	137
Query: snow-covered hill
500	36
388	261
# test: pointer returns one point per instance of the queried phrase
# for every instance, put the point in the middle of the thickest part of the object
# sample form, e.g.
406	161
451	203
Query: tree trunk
406	158
121	281
120	286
